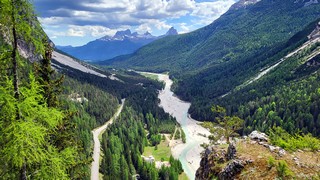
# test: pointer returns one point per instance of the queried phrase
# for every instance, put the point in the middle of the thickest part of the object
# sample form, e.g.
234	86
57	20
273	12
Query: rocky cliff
254	157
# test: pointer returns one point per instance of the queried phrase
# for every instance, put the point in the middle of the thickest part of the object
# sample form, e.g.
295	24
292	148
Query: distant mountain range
210	63
107	47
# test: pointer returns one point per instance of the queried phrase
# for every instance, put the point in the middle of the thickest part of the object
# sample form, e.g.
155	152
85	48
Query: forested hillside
47	114
36	140
123	146
218	59
94	96
286	96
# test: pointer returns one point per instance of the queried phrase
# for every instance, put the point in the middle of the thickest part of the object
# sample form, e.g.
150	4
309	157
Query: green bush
183	136
271	162
177	135
281	138
283	170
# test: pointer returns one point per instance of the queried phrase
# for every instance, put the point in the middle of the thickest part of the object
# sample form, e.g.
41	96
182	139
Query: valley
236	98
188	153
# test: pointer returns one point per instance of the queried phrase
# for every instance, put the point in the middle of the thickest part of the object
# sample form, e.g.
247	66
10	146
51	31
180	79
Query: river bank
189	152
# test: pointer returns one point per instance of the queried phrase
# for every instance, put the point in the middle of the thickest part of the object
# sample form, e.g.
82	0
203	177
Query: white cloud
184	28
93	31
76	32
104	17
143	28
162	25
207	12
181	5
51	20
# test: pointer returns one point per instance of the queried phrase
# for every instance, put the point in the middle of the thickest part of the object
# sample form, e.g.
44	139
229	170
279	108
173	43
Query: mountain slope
123	42
238	34
225	55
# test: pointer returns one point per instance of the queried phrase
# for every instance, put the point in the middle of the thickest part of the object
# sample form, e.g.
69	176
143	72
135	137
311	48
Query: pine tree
26	141
51	86
28	123
226	126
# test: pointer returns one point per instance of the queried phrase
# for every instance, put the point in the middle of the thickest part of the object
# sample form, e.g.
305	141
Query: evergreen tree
26	141
28	122
51	87
227	126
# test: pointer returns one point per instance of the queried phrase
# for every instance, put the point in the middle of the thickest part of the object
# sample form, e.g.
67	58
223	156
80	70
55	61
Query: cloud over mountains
103	17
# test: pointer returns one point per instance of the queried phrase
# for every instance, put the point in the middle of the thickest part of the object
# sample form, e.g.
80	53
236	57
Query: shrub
281	138
283	170
271	162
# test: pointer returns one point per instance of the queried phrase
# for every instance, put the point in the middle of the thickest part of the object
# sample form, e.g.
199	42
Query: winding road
96	150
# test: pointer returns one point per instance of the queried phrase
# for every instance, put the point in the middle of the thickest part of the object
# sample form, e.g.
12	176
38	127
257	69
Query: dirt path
96	150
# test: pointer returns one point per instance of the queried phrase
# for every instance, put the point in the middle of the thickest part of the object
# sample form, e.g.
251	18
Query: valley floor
188	153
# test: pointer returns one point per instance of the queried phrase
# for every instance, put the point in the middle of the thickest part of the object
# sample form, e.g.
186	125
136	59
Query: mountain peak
147	33
122	34
172	31
243	4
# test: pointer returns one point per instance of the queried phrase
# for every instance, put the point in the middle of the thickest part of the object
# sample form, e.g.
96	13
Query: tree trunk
23	172
14	55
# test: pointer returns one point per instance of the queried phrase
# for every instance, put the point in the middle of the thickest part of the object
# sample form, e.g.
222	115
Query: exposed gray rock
272	148
231	152
258	136
243	4
315	33
231	170
206	163
249	161
212	164
282	152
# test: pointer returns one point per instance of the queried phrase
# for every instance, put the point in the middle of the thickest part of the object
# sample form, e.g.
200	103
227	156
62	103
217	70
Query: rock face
27	51
207	161
231	170
231	153
243	4
258	136
211	164
315	33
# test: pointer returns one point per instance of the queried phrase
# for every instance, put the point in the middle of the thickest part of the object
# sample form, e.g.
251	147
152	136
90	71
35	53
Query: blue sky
76	22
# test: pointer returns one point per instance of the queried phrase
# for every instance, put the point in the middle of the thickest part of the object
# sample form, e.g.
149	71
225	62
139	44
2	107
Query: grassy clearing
150	76
260	168
163	151
183	176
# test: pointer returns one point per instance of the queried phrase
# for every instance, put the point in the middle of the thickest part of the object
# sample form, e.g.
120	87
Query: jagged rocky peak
243	4
122	34
147	33
127	34
135	34
172	31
